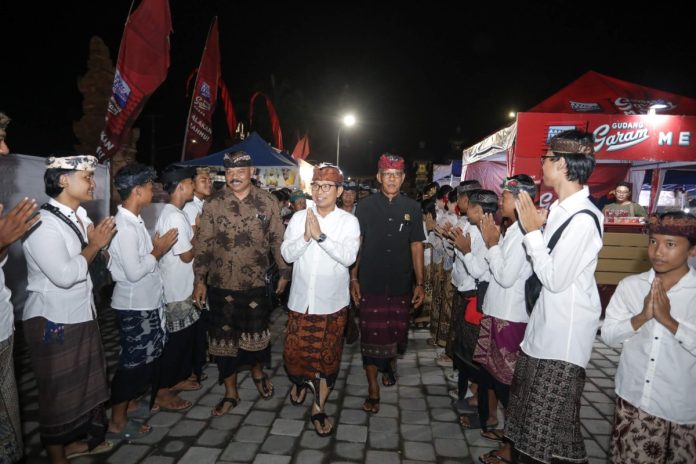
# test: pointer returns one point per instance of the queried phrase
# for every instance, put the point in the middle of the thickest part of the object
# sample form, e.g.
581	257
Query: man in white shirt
181	316
13	226
543	419
322	242
654	315
60	320
137	299
202	189
505	315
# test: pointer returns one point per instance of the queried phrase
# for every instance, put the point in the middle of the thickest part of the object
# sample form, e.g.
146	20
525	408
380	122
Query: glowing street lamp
347	121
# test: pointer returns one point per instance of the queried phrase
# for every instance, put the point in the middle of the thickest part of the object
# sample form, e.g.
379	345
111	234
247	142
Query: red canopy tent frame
616	112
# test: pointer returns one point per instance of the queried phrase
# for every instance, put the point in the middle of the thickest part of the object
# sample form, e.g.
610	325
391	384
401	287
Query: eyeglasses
623	192
323	187
394	174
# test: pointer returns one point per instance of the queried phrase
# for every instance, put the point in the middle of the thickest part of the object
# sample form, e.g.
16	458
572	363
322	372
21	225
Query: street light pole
338	144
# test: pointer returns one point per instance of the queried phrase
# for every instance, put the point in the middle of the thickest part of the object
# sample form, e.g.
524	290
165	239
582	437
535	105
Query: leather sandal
217	410
321	418
266	390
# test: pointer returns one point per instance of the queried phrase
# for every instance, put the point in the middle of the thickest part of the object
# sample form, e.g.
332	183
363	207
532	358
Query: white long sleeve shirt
133	268
565	319
475	261
320	276
193	209
657	369
461	278
59	287
6	310
510	268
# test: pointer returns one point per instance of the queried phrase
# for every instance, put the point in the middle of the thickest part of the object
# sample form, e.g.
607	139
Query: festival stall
636	129
275	168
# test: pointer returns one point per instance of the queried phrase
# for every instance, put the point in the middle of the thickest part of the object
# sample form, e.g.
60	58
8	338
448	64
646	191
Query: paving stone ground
416	423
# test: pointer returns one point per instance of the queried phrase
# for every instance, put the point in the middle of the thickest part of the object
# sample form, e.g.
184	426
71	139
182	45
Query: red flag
301	150
199	129
230	117
143	61
275	122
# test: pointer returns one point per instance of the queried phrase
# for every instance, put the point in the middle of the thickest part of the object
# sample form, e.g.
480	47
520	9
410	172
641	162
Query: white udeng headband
73	163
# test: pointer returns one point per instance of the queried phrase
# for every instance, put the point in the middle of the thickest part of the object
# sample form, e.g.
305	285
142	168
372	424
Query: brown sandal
371	405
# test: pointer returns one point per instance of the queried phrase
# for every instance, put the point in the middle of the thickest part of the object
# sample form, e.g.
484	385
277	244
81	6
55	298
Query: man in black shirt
391	253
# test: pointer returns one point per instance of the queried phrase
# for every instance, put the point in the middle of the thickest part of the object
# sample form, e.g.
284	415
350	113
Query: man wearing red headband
322	242
382	282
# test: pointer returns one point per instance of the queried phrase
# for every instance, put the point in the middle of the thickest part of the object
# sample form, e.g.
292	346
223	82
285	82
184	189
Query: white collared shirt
510	268
461	278
320	276
133	268
6	311
193	209
657	369
59	287
475	261
565	319
177	276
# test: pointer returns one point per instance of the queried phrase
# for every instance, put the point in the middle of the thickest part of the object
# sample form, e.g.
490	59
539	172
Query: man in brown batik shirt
240	229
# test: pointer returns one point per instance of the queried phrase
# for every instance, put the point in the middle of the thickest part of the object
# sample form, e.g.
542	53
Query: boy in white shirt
543	418
60	319
137	299
470	250
176	267
654	315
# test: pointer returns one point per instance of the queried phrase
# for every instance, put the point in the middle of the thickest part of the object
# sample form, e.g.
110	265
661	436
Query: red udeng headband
388	161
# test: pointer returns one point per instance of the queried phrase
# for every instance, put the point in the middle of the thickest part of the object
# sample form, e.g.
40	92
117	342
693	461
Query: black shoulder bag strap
52	209
557	234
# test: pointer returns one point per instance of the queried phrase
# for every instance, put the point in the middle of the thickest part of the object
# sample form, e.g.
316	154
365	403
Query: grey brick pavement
415	424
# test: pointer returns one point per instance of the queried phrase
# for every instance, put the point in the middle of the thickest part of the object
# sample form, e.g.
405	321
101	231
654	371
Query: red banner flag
199	128
275	122
143	61
301	150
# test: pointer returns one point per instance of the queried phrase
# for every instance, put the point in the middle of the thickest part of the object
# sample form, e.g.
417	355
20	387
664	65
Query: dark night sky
409	75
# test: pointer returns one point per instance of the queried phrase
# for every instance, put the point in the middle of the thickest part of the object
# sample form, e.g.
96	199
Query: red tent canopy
615	111
596	93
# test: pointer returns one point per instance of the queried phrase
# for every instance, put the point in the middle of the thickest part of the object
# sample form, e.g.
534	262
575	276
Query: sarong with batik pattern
445	317
239	334
639	437
383	328
10	426
436	279
498	347
313	346
543	418
70	369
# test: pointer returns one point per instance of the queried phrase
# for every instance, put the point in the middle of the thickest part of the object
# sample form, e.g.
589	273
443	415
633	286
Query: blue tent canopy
262	154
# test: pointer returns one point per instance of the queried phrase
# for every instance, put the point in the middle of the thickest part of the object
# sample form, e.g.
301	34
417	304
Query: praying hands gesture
17	222
489	230
461	241
656	305
530	218
312	229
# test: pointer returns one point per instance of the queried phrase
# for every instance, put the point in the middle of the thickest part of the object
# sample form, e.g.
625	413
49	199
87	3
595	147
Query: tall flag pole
142	65
199	127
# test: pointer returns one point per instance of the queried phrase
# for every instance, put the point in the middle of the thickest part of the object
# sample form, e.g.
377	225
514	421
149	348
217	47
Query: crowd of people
507	291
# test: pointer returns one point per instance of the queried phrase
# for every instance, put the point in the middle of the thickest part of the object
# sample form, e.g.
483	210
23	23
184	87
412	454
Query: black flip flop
321	418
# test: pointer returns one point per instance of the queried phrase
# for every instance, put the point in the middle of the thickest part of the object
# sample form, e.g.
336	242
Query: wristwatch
321	238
